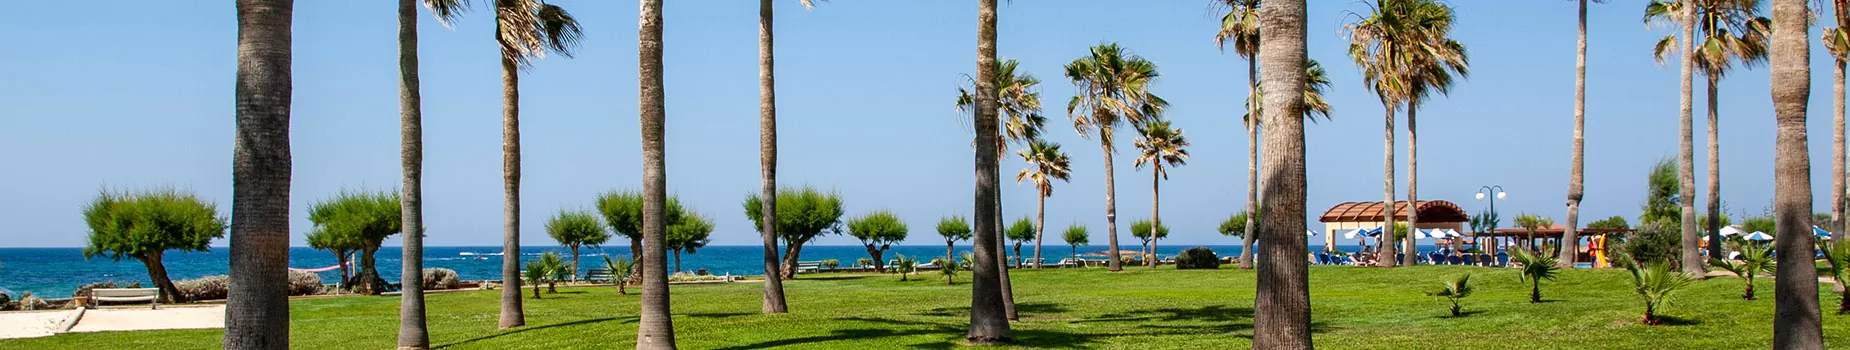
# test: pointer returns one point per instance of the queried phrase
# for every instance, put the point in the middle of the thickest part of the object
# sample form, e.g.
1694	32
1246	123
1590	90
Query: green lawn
1145	309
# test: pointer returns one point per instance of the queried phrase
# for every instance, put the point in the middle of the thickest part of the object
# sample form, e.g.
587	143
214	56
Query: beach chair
1503	259
1400	256
1456	260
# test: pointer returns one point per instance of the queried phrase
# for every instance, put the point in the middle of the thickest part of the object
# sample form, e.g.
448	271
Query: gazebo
1348	216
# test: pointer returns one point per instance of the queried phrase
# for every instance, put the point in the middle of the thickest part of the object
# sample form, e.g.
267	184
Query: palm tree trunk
512	314
1686	154
655	330
1413	181
1387	245
257	307
412	330
767	155
1281	302
988	322
1837	153
1713	226
1252	162
1002	255
1535	290
1576	172
1040	223
1156	221
1796	319
1111	205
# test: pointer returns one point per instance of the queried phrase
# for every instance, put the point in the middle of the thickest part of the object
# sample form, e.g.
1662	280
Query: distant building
1349	216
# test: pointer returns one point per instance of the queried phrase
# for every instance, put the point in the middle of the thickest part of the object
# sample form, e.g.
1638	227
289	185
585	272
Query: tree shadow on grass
1461	314
720	314
1210	313
1677	321
831	278
533	328
856	333
1023	309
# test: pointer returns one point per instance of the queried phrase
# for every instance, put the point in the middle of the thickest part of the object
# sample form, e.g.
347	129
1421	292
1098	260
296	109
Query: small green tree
1662	200
1756	258
619	271
368	216
802	215
904	264
1076	236
1453	291
144	225
1837	257
575	228
1763	223
1536	267
1532	223
622	210
954	229
1612	223
1655	282
692	233
342	244
1234	226
1141	230
878	231
1020	232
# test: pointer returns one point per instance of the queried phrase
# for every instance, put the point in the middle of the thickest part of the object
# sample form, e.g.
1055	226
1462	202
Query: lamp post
1494	192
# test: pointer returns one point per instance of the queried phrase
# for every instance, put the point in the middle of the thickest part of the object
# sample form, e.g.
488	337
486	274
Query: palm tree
1114	87
1756	259
1018	99
1410	40
1045	163
1837	42
1454	290
1727	30
1241	26
988	319
257	310
525	31
1281	302
413	332
1576	172
767	157
1316	80
1797	324
1160	145
1536	267
1655	283
654	330
1673	12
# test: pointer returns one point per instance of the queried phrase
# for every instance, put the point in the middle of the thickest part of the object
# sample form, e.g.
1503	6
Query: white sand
168	317
31	324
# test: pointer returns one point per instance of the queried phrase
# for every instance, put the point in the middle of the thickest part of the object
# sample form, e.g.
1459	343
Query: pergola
1348	216
1551	234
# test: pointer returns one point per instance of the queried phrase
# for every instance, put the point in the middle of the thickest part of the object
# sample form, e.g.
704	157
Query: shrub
1197	258
691	277
30	302
85	289
1657	241
863	262
439	278
304	283
206	288
1655	282
831	263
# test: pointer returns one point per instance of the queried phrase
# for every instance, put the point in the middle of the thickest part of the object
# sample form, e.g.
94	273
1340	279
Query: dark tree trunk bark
792	250
1040	222
767	155
157	272
1281	302
574	248
413	332
1535	291
1576	170
655	330
257	307
1002	255
636	257
369	280
1713	226
677	261
1113	263
879	265
1686	154
512	313
1156	220
988	322
1796	320
1252	162
1386	242
1412	251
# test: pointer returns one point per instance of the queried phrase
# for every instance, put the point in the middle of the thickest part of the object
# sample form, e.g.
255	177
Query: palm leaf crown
1114	88
1161	145
1405	50
1726	31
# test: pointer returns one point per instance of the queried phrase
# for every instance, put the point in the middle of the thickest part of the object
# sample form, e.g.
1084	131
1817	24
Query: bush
29	302
440	278
831	263
1197	258
206	288
85	289
689	277
1652	242
6	302
304	283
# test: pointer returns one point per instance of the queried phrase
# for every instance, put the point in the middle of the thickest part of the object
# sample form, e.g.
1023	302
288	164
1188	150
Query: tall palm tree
1281	302
1160	144
654	330
767	157
1316	80
257	308
1241	26
412	330
1114	88
1837	42
1796	323
525	30
988	321
1018	99
1576	173
1045	163
1726	31
1674	13
1405	52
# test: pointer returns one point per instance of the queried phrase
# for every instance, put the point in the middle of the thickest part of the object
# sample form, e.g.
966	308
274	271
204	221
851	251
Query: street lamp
1484	192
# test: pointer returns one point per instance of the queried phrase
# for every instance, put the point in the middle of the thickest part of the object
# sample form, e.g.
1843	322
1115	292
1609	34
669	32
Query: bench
808	266
595	275
150	295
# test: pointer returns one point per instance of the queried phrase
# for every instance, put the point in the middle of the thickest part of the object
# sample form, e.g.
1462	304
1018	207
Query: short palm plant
1655	282
1837	254
555	268
1536	267
947	268
1756	259
1455	290
534	275
619	271
904	264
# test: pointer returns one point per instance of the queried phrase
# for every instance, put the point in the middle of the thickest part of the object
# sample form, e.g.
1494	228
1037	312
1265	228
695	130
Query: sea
57	272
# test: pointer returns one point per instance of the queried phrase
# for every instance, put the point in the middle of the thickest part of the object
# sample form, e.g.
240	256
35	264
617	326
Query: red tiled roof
1430	211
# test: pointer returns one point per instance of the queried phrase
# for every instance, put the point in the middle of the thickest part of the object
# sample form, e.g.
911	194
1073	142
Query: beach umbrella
1450	233
1422	234
1730	231
1308	233
1820	232
1357	232
1758	236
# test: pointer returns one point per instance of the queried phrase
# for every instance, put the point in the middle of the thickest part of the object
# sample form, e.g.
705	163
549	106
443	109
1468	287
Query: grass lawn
1089	308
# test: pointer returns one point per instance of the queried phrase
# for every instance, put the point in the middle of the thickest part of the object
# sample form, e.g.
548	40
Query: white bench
150	295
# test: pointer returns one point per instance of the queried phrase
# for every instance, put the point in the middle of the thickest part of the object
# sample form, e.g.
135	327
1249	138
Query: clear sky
140	94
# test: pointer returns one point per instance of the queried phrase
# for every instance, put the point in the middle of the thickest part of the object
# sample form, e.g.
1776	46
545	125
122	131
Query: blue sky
140	95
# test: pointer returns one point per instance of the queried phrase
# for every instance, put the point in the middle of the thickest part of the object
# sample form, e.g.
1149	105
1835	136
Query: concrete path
32	324
168	317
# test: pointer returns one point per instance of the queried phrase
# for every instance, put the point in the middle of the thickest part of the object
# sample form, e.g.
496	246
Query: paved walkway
32	324
169	317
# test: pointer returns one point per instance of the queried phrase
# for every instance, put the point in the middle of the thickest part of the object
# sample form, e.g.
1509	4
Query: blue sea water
56	272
